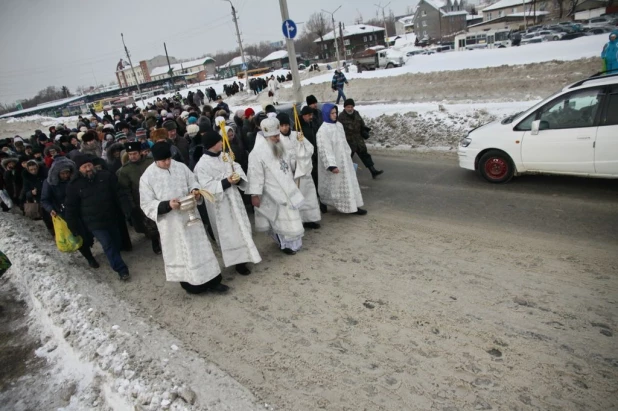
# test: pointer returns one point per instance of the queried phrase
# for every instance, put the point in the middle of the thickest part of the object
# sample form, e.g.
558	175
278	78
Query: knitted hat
141	132
306	110
240	113
170	125
184	114
283	118
348	102
120	135
249	112
311	100
210	139
270	127
270	109
192	120
81	159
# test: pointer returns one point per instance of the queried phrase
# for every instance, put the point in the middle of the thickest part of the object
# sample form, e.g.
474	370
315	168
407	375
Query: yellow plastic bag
65	240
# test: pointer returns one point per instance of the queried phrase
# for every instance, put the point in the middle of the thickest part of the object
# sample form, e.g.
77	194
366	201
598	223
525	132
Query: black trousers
197	289
365	157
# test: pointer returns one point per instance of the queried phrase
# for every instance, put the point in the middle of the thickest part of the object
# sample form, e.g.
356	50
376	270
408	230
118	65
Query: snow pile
103	364
430	126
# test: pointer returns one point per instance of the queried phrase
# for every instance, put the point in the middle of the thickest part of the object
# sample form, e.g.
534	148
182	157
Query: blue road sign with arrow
289	29
244	67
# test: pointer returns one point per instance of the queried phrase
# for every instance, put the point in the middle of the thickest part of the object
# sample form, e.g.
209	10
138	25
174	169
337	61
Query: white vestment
228	216
300	153
273	87
187	253
272	179
337	190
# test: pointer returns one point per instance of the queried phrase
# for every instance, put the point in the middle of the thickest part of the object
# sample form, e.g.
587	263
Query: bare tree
359	17
317	25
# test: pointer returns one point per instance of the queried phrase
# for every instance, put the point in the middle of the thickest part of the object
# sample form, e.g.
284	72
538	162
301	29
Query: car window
611	118
575	110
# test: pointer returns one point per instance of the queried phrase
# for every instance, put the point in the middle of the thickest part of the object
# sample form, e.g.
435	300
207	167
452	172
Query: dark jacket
182	144
32	182
114	164
222	106
13	181
53	194
353	125
94	202
338	81
128	183
310	132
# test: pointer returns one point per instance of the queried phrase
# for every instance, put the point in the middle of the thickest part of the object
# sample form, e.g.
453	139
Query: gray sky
72	42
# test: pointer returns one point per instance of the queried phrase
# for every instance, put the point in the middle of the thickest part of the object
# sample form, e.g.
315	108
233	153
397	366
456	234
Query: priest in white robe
300	153
274	194
218	174
337	183
187	253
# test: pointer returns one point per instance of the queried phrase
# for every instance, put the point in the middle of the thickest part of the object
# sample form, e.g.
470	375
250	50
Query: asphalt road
434	186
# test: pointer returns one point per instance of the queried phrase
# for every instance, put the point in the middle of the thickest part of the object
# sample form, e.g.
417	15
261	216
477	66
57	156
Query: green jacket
128	181
353	125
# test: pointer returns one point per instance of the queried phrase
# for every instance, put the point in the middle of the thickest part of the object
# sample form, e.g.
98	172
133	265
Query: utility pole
332	15
170	71
298	95
242	50
384	21
342	42
131	64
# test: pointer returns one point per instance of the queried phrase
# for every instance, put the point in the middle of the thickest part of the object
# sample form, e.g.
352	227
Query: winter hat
170	116
311	100
210	139
170	125
270	127
144	146
163	113
120	135
89	136
227	130
192	120
193	129
141	132
249	112
161	151
121	124
205	126
42	137
150	122
240	113
184	114
83	129
81	159
133	146
306	110
108	127
158	134
270	109
348	102
80	135
283	118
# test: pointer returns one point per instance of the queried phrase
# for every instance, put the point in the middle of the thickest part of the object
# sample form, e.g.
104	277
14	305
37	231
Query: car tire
496	167
390	65
556	38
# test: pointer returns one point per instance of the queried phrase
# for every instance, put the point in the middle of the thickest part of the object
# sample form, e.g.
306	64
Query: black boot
242	269
374	172
313	226
288	251
360	211
93	263
323	208
156	245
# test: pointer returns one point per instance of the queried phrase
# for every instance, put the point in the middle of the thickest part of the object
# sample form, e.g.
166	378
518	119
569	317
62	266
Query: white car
573	132
532	38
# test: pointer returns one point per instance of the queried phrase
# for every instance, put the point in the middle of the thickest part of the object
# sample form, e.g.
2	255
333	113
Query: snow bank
115	359
583	47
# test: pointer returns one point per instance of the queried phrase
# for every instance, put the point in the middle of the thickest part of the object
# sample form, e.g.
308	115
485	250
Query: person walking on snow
273	86
338	83
610	53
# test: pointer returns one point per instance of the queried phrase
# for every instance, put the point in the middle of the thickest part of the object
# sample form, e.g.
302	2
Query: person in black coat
33	177
92	199
53	196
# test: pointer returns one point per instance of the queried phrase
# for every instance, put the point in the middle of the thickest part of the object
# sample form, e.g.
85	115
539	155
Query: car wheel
496	167
390	66
556	38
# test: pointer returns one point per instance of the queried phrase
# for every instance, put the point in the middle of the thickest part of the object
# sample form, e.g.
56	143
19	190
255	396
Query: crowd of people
145	168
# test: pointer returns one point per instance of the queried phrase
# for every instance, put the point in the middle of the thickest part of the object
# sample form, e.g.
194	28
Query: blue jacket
339	80
610	53
54	190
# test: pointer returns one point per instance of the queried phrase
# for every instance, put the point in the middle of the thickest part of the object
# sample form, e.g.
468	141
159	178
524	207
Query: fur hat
283	118
89	136
161	151
158	134
210	139
193	129
270	127
81	159
133	146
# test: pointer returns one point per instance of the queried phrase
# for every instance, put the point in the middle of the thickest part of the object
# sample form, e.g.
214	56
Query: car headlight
465	142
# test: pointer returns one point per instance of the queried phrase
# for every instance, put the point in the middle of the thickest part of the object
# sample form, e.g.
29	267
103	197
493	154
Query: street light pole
384	21
298	95
332	15
242	50
139	90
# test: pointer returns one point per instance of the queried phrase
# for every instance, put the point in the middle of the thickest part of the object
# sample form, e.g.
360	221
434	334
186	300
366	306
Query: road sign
289	29
244	67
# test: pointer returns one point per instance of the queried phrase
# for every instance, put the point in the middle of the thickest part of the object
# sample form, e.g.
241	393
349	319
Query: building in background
234	66
404	25
124	74
277	59
355	38
437	20
193	71
513	14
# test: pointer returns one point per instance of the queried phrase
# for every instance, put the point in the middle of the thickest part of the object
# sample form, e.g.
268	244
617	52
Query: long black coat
95	202
31	182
